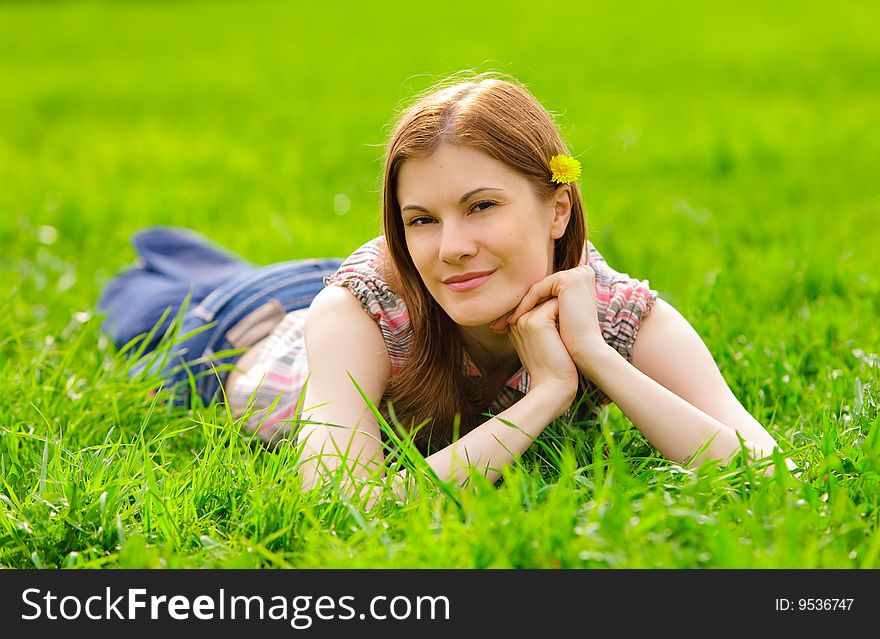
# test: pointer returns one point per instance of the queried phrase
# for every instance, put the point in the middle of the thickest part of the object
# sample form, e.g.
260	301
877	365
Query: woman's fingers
503	323
541	350
537	293
542	317
548	288
551	287
548	308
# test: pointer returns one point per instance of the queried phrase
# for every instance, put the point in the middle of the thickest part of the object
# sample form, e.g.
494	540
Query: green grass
730	157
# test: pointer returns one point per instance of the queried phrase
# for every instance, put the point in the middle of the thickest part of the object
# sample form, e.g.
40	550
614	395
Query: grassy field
730	157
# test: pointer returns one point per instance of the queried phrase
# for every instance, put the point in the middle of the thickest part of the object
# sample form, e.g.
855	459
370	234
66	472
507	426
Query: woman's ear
561	202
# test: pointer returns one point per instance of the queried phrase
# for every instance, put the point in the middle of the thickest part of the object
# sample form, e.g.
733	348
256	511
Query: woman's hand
575	290
535	335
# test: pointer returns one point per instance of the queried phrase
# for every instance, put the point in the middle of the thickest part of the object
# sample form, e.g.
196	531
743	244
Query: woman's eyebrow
461	201
477	190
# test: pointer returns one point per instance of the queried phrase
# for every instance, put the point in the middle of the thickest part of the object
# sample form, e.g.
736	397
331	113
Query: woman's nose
456	242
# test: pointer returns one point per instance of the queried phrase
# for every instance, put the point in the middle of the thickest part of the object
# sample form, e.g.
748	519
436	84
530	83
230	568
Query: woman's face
467	214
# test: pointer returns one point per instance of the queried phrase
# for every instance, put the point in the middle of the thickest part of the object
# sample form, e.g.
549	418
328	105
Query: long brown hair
502	119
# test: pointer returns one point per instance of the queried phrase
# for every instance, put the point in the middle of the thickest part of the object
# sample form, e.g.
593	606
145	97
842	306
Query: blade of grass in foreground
407	447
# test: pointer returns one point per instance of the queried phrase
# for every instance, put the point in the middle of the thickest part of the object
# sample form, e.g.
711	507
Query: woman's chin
482	319
477	313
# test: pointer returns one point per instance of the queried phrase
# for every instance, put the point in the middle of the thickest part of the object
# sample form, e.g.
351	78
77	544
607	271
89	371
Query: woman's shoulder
366	265
366	274
622	301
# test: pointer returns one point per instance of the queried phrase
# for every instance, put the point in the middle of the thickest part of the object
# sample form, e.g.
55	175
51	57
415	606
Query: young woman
482	305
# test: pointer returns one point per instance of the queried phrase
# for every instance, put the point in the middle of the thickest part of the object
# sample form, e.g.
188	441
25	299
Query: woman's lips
467	285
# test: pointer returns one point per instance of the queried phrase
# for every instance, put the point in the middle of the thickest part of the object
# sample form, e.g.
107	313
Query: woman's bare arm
494	444
674	393
341	339
554	382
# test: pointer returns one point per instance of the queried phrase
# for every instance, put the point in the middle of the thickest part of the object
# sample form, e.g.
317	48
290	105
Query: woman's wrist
589	360
555	397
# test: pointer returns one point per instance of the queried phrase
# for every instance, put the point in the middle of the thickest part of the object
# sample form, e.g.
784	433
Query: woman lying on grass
482	309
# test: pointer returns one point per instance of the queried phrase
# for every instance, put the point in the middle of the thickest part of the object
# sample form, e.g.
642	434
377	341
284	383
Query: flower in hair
565	169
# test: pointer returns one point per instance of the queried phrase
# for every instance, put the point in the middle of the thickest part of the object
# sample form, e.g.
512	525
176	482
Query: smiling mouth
467	285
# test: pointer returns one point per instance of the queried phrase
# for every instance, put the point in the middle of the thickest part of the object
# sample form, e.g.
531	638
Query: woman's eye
485	204
477	207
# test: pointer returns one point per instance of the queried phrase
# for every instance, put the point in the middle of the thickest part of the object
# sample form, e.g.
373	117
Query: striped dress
270	391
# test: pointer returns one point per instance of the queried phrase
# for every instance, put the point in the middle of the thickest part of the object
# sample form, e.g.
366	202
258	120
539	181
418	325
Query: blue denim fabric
293	284
171	263
224	290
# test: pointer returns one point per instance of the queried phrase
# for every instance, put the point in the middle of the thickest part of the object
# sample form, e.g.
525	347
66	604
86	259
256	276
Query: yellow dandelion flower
565	169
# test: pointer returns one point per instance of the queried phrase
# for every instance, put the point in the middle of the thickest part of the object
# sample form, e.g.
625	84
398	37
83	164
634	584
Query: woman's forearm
493	444
677	428
488	447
